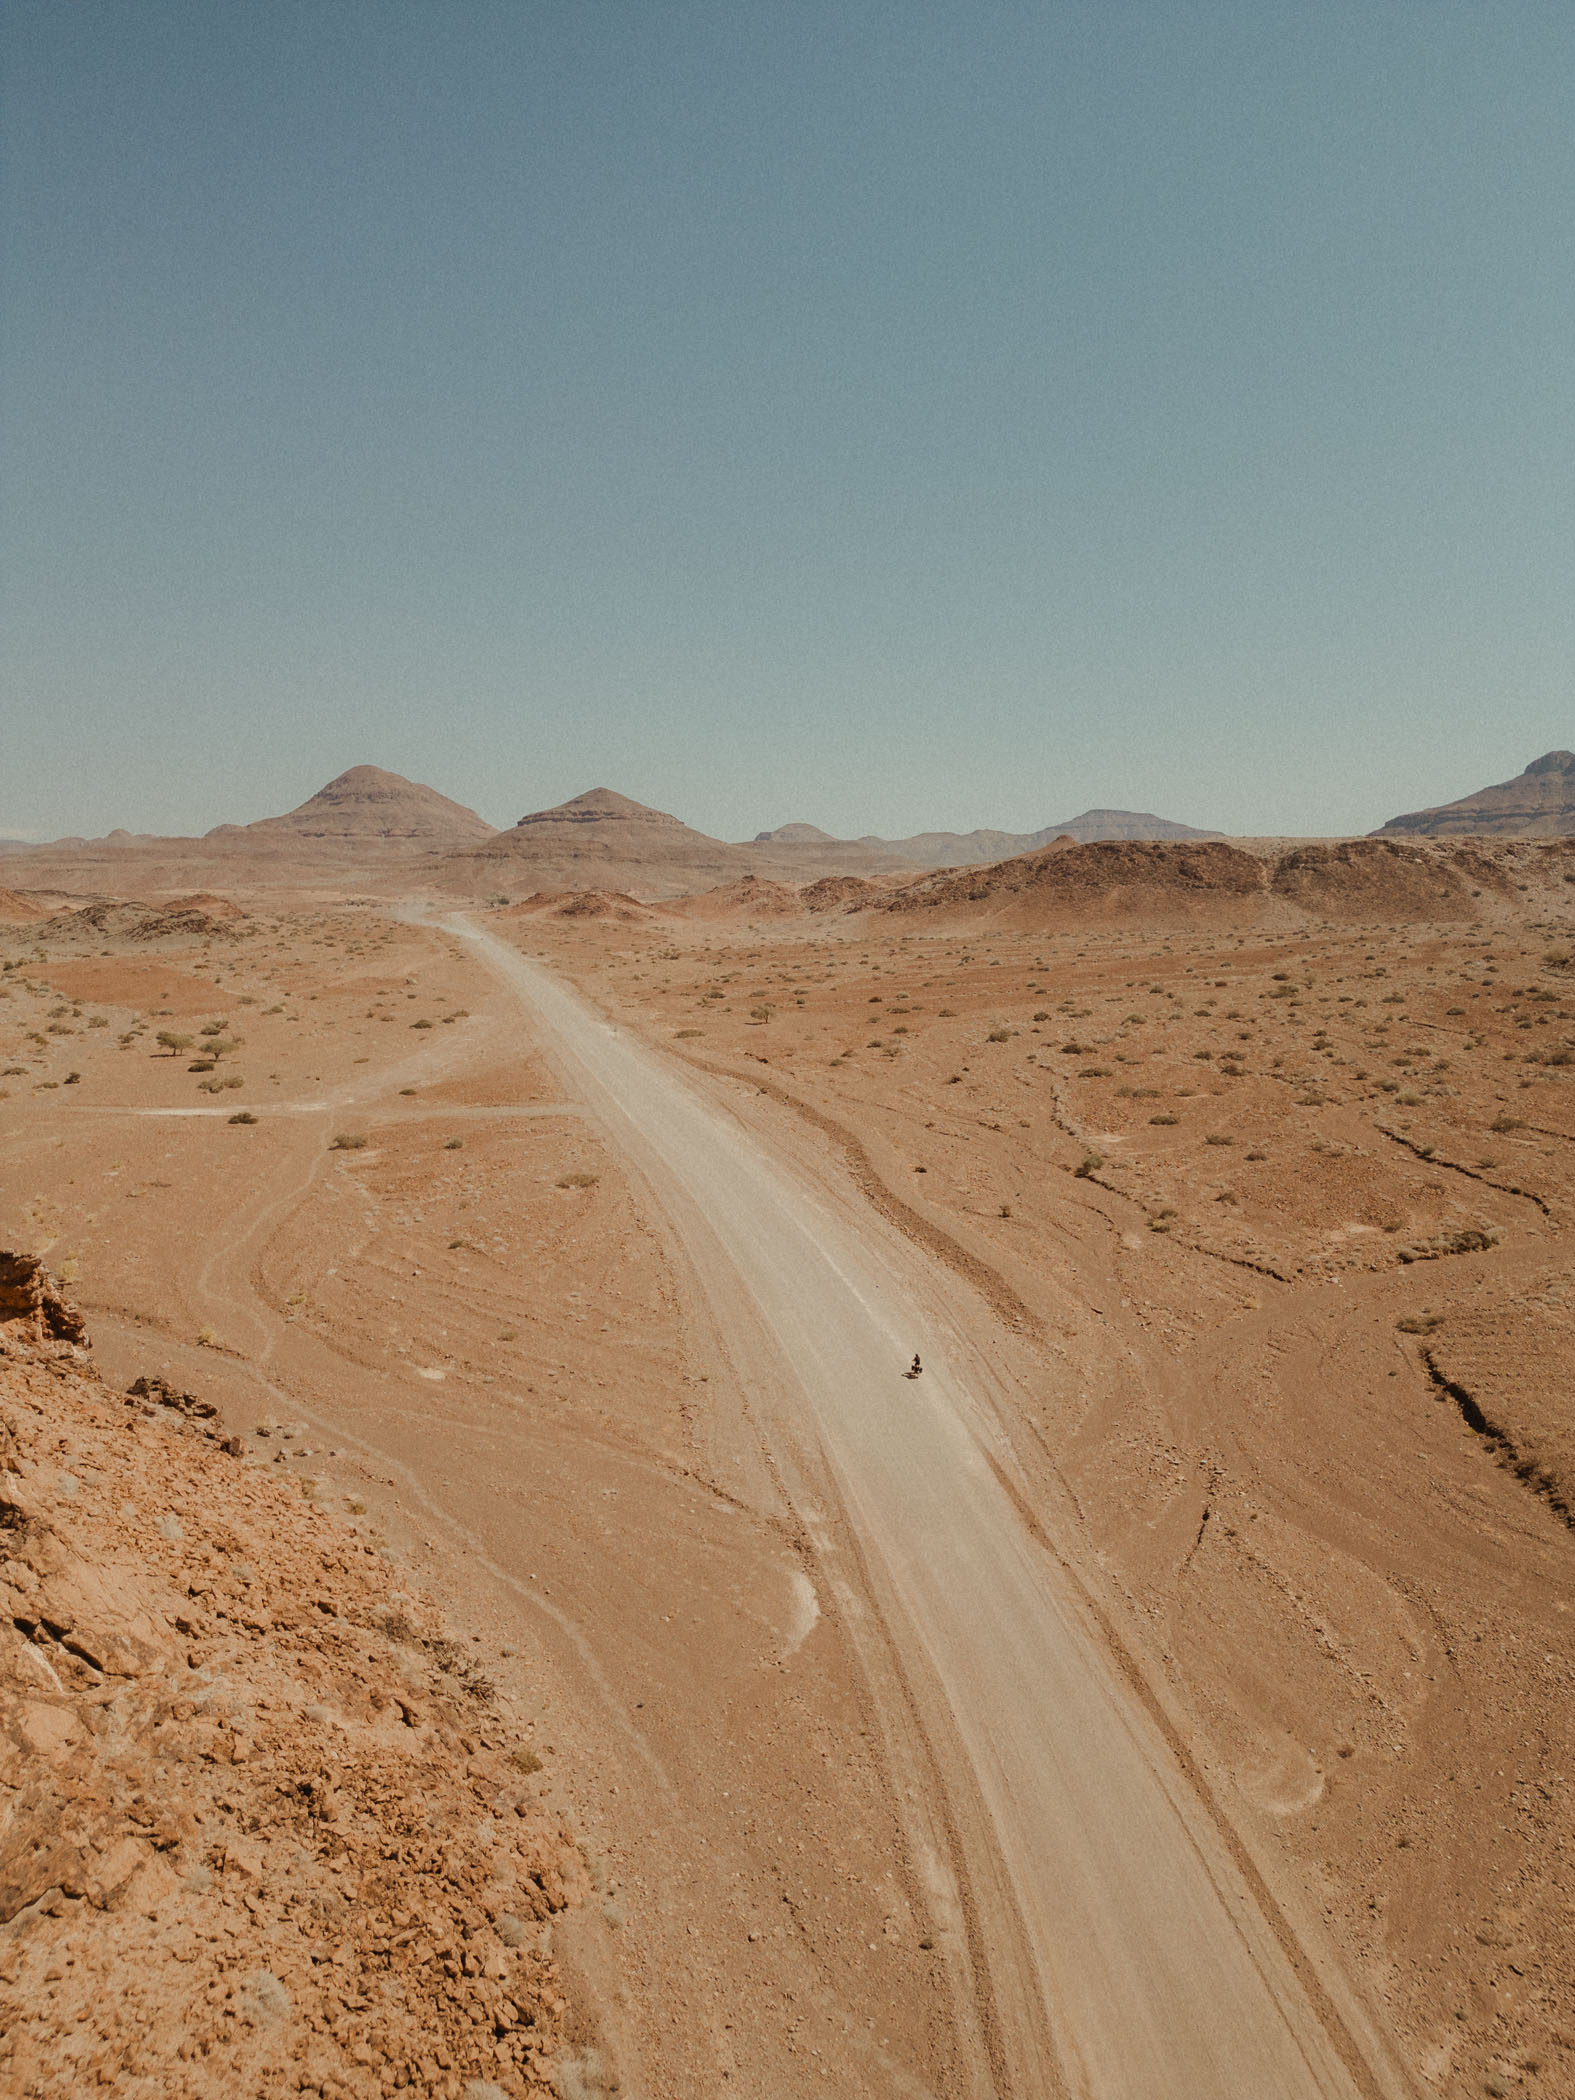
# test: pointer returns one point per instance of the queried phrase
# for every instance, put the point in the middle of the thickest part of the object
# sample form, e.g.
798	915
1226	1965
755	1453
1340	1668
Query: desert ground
1234	1224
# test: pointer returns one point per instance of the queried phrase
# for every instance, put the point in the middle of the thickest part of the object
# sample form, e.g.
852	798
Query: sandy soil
494	1348
1284	1219
1269	1225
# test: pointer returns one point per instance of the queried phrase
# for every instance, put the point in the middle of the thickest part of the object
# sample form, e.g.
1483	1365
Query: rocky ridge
1374	879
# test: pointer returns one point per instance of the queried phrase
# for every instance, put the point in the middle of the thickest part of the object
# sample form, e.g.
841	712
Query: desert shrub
1090	1163
579	1181
453	1144
243	1115
347	1141
999	1035
1166	1119
1219	1137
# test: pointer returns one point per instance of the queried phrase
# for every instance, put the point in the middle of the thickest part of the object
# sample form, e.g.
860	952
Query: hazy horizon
893	419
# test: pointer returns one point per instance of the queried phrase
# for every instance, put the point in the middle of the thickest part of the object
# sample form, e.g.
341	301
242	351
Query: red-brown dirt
1271	1205
1288	1209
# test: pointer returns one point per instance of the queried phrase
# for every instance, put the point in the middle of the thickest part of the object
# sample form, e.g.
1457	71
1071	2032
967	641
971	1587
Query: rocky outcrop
32	1304
263	1829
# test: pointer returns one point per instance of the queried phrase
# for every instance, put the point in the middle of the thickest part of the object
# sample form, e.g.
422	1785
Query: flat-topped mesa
366	803
1539	803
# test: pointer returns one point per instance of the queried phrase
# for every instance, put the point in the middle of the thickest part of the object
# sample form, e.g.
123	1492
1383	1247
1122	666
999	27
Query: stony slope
1176	881
262	1829
1539	803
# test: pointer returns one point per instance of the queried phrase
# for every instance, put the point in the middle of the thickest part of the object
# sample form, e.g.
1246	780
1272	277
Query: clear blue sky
880	412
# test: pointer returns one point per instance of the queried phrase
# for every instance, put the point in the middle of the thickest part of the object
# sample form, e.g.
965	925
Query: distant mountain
963	849
1539	803
364	804
366	825
600	841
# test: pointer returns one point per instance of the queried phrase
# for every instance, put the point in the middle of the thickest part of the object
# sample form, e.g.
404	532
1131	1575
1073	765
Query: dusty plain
1270	1212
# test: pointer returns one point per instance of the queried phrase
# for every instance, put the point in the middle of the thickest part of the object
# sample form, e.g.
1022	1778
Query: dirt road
1127	1957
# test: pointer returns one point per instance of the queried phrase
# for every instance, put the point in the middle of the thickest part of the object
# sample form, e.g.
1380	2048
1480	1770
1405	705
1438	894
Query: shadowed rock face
29	1294
1539	803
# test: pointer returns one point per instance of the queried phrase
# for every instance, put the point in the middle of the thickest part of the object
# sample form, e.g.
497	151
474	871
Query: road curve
1159	1979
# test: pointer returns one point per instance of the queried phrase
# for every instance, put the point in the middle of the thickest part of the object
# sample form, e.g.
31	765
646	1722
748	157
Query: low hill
1105	880
751	897
1171	882
1539	803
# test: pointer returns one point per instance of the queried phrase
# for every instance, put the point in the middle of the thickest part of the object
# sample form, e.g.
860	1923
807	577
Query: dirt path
1126	1955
